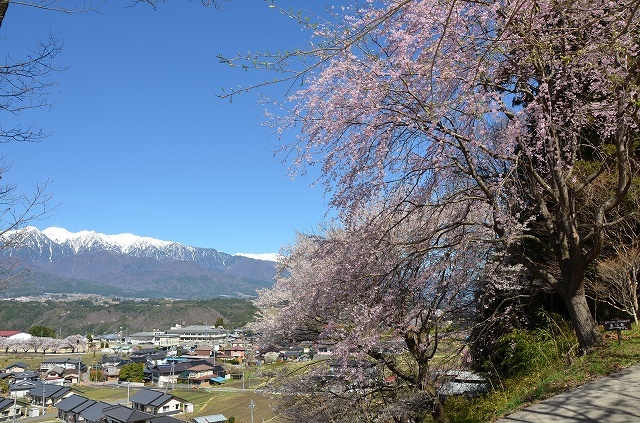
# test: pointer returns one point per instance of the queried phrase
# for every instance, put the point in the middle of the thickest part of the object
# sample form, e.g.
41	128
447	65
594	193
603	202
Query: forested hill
108	316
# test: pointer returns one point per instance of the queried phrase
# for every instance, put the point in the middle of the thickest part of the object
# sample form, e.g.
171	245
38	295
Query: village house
203	373
123	414
76	408
66	363
203	352
232	353
18	367
47	394
21	388
26	375
109	366
9	409
166	374
156	402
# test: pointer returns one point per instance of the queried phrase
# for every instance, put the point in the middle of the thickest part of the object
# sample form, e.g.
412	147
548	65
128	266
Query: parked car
462	383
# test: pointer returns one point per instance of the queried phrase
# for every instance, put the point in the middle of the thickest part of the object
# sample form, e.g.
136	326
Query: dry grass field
235	404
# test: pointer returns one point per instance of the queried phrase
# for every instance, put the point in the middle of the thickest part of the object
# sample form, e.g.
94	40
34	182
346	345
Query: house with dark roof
156	402
76	408
202	373
122	414
66	363
232	353
66	407
21	388
26	375
17	367
166	374
110	366
9	409
48	393
163	375
93	413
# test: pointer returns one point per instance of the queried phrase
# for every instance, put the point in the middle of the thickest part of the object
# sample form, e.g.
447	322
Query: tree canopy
133	372
500	138
42	331
494	105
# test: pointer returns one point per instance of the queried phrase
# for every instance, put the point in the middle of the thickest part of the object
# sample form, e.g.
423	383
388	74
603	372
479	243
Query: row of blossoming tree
36	344
468	148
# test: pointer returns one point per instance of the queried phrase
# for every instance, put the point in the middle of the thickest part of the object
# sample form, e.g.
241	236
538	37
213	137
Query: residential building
66	363
232	353
167	374
156	402
202	373
70	407
21	388
122	414
17	367
47	394
9	409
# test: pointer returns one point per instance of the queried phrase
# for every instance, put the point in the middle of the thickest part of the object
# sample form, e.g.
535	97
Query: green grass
554	378
107	394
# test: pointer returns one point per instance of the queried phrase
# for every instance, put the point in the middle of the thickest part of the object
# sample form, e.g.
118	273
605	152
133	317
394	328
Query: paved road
613	399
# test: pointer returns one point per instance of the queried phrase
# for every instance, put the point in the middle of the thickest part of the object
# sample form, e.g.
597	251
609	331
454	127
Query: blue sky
139	143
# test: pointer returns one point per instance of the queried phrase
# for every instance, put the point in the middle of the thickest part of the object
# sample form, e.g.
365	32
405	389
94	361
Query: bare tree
17	209
618	281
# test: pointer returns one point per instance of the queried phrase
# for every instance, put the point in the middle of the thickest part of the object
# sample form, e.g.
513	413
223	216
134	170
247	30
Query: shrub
524	351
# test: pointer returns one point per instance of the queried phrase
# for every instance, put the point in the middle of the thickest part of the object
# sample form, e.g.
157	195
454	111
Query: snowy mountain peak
265	256
124	243
130	265
121	242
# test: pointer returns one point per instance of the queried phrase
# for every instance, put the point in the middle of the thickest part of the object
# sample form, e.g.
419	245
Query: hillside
106	316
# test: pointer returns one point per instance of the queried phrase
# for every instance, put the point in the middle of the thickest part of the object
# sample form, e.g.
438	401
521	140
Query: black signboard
617	325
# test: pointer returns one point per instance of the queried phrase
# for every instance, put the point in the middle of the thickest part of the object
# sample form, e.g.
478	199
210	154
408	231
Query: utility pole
252	405
43	384
79	371
171	379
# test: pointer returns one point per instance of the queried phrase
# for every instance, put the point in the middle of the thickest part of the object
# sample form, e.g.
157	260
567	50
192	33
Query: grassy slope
550	380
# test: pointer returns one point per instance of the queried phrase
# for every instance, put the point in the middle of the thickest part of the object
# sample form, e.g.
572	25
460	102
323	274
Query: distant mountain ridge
130	265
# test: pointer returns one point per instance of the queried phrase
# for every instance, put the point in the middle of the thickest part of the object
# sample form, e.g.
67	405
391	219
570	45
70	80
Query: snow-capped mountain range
131	264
